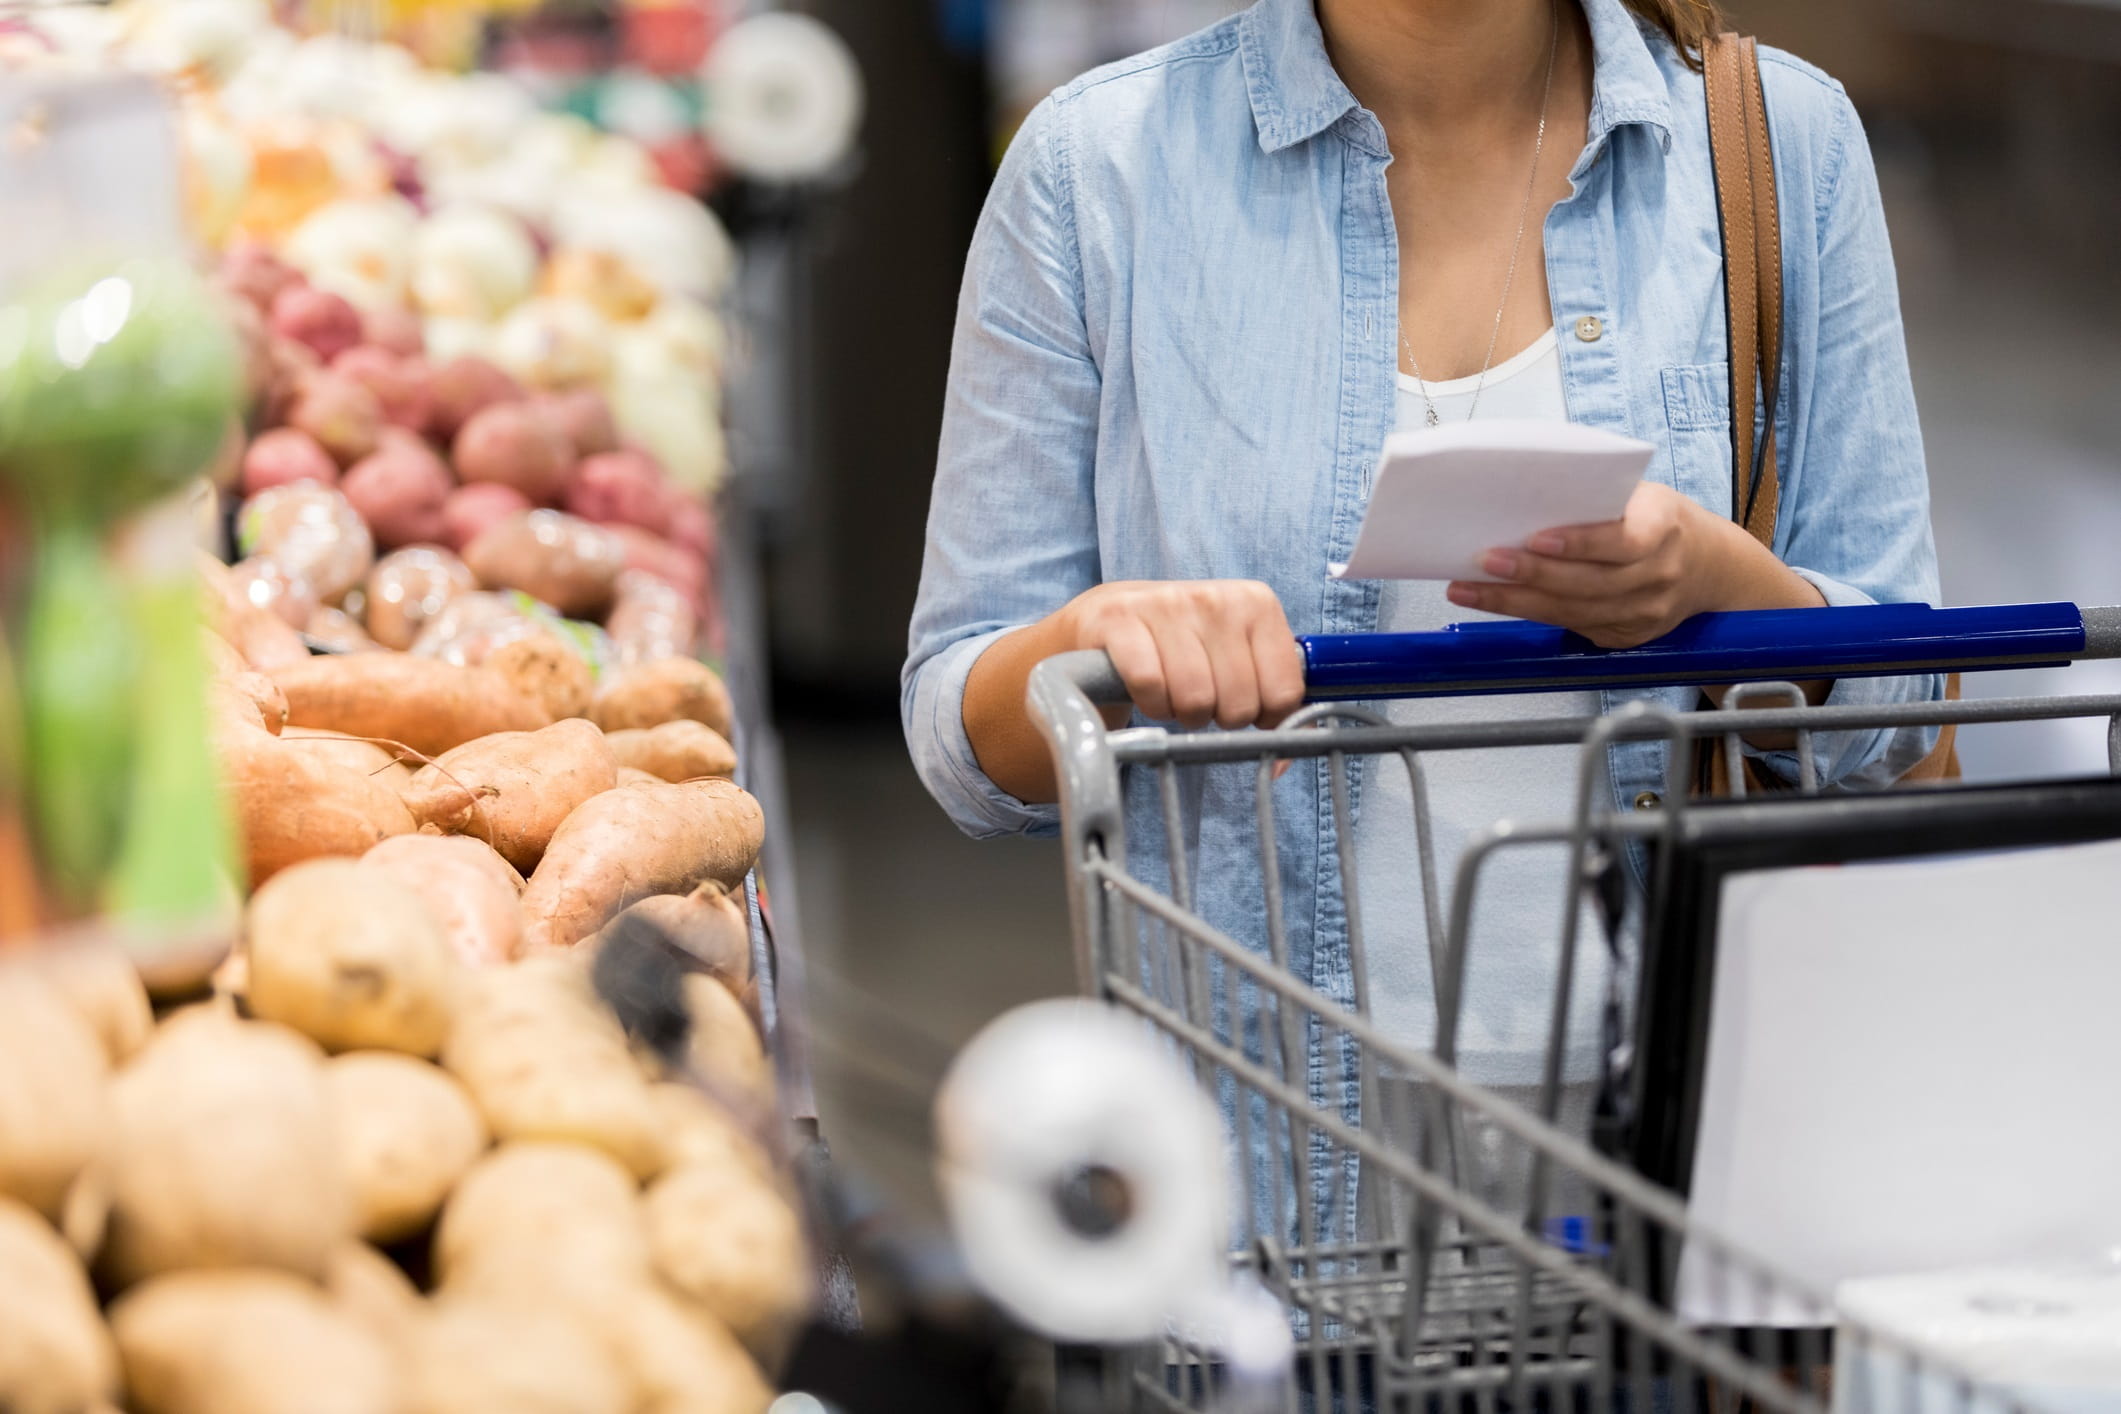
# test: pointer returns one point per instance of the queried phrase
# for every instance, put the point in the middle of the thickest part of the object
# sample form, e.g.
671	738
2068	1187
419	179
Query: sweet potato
729	1241
55	1355
675	751
669	690
429	706
555	558
630	776
543	1060
388	765
248	1342
407	1133
293	803
351	958
549	671
514	789
258	636
470	890
626	844
408	587
52	1103
222	1153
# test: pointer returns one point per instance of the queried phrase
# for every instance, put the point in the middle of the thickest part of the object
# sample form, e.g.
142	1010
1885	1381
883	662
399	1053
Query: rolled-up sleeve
1856	509
1012	528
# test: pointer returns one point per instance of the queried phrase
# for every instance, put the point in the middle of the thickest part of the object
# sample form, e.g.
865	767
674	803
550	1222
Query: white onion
446	338
680	335
360	248
211	36
553	343
472	262
677	420
673	240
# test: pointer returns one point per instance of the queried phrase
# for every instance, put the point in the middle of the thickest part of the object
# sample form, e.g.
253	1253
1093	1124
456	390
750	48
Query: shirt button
1648	800
1589	328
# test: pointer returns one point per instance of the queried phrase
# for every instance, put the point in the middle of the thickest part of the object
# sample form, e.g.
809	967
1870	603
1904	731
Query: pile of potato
524	503
368	1178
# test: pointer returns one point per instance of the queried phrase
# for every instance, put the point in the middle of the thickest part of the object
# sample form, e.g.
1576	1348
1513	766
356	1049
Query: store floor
918	936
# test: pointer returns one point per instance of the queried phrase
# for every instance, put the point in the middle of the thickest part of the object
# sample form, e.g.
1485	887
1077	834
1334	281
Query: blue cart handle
1871	640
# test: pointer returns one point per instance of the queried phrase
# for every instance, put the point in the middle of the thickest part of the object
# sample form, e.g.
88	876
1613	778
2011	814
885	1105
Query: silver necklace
1516	247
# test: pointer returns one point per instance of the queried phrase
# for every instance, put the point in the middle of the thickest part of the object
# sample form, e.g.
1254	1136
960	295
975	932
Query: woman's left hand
1625	582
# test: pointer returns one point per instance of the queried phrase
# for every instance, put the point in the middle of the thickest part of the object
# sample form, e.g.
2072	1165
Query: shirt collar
1296	94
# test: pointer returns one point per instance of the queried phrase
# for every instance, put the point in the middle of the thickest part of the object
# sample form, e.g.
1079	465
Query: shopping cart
1437	1245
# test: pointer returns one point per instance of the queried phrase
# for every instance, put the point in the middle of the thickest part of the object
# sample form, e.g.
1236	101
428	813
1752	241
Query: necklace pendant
1433	419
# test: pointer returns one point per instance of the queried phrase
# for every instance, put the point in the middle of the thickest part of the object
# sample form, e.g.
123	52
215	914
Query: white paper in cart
1444	497
1911	1066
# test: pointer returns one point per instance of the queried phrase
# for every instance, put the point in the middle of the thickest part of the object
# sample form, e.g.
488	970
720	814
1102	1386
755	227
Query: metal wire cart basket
1442	1246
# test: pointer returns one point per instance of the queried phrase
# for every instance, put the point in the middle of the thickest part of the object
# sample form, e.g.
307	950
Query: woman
1208	284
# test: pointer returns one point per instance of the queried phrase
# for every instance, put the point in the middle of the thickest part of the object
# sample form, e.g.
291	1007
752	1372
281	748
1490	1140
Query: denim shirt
1174	360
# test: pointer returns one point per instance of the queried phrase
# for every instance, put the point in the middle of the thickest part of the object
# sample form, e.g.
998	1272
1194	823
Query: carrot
626	844
513	789
429	705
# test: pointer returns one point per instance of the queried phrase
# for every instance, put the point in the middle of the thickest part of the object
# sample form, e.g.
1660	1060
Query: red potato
254	347
464	387
650	554
471	891
692	526
557	559
283	456
427	705
584	417
400	384
471	510
255	274
515	445
322	320
632	842
342	415
394	330
400	493
620	488
288	362
514	789
409	587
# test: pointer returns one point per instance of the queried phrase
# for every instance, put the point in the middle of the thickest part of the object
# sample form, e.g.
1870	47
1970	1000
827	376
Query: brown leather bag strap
1744	160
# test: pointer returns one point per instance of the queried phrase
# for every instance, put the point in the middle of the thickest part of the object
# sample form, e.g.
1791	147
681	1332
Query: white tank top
1517	921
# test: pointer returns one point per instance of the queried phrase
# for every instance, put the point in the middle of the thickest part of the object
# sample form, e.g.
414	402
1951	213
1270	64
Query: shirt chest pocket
1697	415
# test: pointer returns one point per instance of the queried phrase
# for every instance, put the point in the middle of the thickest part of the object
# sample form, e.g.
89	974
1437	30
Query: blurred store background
1997	127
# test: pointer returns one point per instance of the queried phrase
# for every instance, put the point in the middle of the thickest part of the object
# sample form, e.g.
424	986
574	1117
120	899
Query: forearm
1751	577
1006	741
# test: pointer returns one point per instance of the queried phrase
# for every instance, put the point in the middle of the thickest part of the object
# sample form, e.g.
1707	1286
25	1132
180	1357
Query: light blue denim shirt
1175	354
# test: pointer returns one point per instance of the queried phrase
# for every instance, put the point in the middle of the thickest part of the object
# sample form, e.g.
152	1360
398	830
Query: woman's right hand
1194	651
